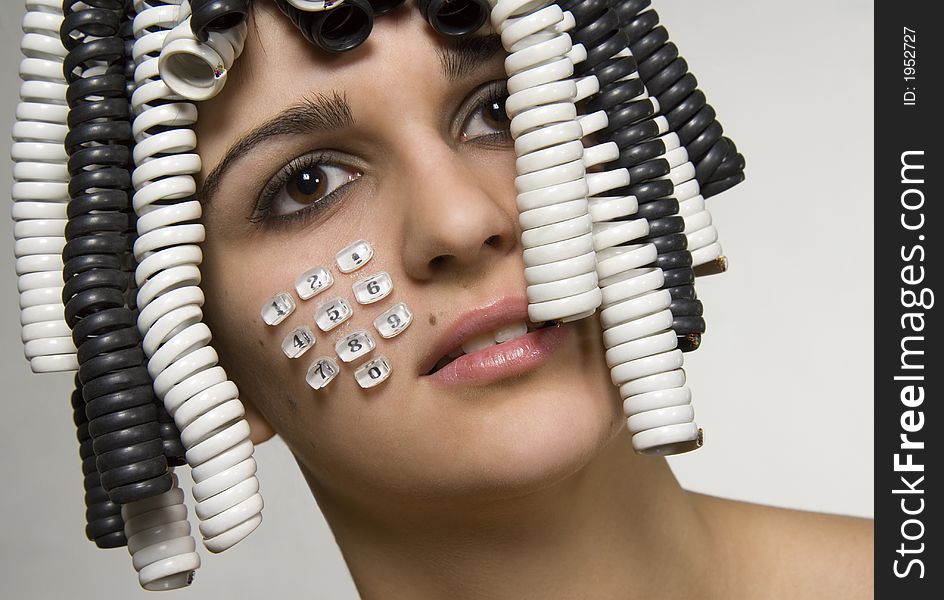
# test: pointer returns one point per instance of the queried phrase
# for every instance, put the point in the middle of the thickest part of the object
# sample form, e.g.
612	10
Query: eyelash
492	92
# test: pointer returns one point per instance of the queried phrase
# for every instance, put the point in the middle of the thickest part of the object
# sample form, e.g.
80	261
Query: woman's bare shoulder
794	554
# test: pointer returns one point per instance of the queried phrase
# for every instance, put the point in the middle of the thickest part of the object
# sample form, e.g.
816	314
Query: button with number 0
354	346
394	320
354	256
332	313
321	372
277	308
372	289
312	282
372	372
298	342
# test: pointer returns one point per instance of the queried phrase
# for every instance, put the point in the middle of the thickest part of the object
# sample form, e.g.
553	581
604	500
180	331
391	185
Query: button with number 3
372	289
321	372
394	320
354	346
298	342
372	372
312	282
332	313
354	256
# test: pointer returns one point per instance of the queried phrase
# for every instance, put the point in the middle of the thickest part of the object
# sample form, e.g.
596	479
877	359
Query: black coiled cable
455	17
340	29
103	522
116	387
208	16
718	164
630	126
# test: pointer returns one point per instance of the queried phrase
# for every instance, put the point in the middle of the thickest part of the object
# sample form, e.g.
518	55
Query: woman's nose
461	213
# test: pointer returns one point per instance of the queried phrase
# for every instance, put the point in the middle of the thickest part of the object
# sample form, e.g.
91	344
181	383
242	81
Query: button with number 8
354	346
321	372
394	320
332	313
354	256
372	372
312	282
372	289
298	342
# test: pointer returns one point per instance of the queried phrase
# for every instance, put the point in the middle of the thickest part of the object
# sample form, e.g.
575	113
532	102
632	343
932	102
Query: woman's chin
502	449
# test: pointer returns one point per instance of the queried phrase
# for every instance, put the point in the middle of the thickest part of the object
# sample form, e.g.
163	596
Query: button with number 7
354	346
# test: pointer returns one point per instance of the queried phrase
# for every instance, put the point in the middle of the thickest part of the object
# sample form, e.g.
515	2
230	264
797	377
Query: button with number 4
277	308
321	372
354	346
354	256
394	320
298	342
332	313
372	372
372	289
312	282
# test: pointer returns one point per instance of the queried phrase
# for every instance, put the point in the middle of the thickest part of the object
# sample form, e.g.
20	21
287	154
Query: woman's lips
507	359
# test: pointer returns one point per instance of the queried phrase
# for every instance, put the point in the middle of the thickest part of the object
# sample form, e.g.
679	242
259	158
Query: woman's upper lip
504	311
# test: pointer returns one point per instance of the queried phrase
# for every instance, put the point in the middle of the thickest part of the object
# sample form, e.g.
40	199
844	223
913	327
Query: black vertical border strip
913	128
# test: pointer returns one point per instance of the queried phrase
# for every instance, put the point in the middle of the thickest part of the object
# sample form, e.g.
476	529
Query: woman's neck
621	527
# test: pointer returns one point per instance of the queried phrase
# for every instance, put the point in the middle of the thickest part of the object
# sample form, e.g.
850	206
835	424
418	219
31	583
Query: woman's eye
488	118
306	186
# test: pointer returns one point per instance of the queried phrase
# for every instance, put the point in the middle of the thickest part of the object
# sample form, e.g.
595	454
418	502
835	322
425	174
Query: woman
516	481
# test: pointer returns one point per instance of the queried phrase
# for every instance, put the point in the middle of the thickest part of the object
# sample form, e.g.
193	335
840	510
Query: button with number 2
313	281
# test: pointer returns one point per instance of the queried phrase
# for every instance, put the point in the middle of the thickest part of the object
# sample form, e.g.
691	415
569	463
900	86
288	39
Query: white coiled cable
195	390
162	550
552	162
40	190
642	348
197	70
315	5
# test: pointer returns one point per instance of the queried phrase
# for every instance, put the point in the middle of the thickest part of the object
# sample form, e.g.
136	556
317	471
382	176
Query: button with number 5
312	282
394	320
332	313
372	289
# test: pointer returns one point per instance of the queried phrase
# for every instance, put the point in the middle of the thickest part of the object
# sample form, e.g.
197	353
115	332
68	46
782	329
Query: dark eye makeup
309	185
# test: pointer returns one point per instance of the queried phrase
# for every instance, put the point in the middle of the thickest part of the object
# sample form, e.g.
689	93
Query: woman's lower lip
503	360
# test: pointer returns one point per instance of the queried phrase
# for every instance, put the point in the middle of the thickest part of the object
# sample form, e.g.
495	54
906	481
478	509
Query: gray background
782	383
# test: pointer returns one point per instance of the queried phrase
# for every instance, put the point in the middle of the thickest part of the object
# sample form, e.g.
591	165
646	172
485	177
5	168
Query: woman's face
417	164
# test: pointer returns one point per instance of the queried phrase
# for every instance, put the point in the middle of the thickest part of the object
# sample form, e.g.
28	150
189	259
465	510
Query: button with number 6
332	313
354	346
372	289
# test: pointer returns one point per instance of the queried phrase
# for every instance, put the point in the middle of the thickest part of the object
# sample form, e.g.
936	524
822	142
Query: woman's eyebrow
459	58
317	113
